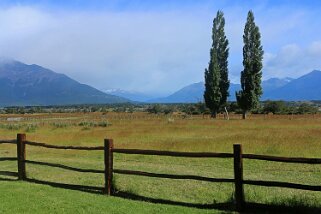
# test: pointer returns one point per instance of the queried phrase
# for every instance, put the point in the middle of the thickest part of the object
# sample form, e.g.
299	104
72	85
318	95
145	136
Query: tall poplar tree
212	94
249	95
216	75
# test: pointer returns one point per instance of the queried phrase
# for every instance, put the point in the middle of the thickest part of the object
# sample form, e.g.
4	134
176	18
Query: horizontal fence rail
171	176
282	184
67	186
64	167
8	159
9	173
108	171
174	154
282	159
8	142
63	147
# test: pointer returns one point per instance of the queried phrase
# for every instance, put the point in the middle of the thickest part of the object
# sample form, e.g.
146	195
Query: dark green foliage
233	107
103	124
31	128
282	107
161	108
248	97
120	109
212	94
155	109
306	108
202	109
15	126
188	108
168	110
275	107
216	75
88	124
194	109
60	125
222	56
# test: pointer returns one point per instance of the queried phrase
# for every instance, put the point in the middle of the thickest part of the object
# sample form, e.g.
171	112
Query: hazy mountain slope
131	95
306	87
22	84
274	83
190	94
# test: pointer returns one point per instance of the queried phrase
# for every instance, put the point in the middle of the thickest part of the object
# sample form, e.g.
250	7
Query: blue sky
155	46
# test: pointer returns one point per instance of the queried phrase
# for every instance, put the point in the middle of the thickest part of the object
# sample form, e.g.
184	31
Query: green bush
275	107
86	124
12	126
31	128
306	108
60	125
94	124
104	124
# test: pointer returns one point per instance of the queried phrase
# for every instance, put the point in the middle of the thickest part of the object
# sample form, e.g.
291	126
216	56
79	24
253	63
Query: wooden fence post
108	158
238	176
21	156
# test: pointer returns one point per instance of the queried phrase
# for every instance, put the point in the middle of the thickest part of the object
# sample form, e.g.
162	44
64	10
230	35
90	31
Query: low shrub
94	124
60	125
104	124
31	128
12	126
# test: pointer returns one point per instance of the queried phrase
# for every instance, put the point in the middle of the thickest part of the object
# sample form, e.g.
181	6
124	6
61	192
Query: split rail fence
108	172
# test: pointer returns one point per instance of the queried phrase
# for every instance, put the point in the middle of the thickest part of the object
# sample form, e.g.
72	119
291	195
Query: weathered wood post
108	157
238	176
21	156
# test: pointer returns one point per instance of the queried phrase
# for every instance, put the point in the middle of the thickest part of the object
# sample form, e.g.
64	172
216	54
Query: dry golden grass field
287	135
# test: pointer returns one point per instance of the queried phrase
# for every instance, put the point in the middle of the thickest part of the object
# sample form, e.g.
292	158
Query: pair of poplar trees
216	75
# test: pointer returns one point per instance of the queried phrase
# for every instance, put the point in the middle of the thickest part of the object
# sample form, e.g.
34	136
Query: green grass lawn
297	137
23	197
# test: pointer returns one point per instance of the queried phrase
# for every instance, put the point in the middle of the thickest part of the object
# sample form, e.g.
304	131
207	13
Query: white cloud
150	50
142	51
315	50
293	60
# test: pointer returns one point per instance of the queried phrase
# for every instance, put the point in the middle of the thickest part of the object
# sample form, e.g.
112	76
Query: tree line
216	75
265	107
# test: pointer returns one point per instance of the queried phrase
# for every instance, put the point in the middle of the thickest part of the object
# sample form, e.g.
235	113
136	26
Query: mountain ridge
306	87
22	84
131	95
273	89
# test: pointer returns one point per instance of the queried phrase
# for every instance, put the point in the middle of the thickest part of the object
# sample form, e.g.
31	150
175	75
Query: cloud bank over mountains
155	49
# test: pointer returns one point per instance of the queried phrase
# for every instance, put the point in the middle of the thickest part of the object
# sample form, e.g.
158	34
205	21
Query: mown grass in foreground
22	197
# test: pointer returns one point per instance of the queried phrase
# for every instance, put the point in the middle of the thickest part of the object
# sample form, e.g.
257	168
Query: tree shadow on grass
82	188
8	176
227	207
13	176
257	208
8	179
9	173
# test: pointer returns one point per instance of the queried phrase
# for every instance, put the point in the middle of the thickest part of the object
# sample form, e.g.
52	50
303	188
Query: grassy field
297	136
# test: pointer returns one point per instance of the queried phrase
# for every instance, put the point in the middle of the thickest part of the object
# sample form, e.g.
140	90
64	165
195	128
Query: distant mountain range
307	87
22	85
131	95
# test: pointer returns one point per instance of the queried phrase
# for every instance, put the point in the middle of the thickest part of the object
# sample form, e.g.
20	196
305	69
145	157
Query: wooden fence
108	172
